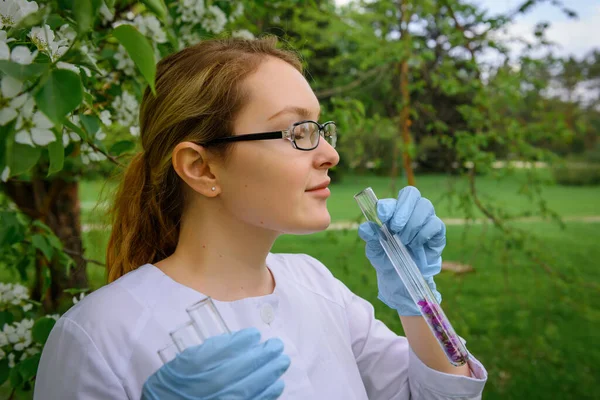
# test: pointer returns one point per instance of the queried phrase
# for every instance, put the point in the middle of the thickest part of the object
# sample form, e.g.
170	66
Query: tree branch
352	85
80	255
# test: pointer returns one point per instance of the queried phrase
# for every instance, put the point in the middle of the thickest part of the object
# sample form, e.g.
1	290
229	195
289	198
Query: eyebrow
301	111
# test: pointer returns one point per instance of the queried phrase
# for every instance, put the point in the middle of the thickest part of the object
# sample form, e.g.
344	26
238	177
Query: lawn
567	201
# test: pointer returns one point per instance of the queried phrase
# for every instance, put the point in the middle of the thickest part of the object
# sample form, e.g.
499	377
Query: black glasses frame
284	134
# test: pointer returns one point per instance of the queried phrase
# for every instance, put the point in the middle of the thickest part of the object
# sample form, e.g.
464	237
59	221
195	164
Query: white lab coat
105	347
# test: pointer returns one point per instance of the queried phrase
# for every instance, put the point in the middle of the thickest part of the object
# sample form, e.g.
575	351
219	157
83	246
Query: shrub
577	173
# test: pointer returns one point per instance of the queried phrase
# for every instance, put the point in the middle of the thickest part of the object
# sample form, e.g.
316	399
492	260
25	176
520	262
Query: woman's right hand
230	366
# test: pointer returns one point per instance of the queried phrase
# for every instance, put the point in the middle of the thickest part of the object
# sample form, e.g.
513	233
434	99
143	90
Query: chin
313	224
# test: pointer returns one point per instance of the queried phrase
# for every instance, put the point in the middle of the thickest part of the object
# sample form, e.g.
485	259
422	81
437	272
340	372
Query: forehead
277	85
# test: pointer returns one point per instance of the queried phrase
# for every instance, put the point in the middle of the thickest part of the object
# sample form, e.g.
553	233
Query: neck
221	256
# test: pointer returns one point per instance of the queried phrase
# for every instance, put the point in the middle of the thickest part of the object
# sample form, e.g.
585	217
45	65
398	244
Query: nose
326	155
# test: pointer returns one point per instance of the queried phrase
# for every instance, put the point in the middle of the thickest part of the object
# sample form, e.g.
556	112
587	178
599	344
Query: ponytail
142	230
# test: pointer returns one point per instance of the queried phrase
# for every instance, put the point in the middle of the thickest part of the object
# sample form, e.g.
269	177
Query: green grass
567	201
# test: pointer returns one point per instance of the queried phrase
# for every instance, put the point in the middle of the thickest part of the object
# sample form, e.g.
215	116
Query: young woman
233	157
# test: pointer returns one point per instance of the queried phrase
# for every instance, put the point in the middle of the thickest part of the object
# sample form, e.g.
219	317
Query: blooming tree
72	73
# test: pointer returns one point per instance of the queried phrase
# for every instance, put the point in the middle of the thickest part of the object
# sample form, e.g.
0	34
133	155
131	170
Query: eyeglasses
304	135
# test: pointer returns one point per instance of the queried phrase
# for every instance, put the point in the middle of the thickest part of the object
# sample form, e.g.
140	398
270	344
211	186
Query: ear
196	166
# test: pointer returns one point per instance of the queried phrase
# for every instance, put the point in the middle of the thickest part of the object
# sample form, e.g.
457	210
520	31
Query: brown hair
198	95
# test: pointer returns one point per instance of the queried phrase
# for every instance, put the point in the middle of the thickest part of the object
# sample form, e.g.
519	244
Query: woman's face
265	182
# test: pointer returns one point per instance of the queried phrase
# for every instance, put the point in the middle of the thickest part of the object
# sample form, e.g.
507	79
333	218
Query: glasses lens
306	135
331	133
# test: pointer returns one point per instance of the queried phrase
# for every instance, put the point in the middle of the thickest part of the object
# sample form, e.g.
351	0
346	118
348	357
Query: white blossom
44	40
13	11
10	103
124	62
27	307
88	154
150	26
33	127
77	300
11	360
237	12
67	66
126	109
67	33
106	13
214	20
68	135
187	36
243	34
105	117
191	10
4	37
5	174
20	54
134	130
13	293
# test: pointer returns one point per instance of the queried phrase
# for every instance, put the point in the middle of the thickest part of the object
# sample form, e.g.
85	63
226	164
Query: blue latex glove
413	219
229	366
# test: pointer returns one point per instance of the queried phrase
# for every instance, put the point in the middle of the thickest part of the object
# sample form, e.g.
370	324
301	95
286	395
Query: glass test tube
186	336
415	283
206	319
168	353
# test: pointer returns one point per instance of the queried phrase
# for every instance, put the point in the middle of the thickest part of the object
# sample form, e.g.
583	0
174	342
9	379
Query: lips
320	186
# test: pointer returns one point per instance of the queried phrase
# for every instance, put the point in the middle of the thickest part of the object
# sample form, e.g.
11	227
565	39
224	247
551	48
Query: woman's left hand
412	218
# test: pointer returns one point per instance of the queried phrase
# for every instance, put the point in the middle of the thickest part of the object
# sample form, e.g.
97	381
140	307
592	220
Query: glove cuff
406	306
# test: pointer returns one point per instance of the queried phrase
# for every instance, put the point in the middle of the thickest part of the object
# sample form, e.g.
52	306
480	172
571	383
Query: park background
490	107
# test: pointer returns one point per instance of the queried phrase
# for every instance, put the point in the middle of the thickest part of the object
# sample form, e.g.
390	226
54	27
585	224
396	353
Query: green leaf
4	370
84	15
56	152
73	291
60	94
140	51
82	134
157	7
90	123
22	267
16	380
42	244
121	147
76	56
22	72
11	229
6	317
22	157
110	3
47	281
41	329
28	367
31	20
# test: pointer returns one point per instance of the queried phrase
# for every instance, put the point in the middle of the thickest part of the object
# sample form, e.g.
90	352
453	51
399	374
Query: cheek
266	191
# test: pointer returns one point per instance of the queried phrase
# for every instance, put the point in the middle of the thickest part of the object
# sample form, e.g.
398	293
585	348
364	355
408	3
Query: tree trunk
404	123
55	203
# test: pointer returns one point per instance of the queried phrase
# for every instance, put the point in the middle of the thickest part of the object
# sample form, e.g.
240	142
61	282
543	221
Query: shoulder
121	300
111	318
308	274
